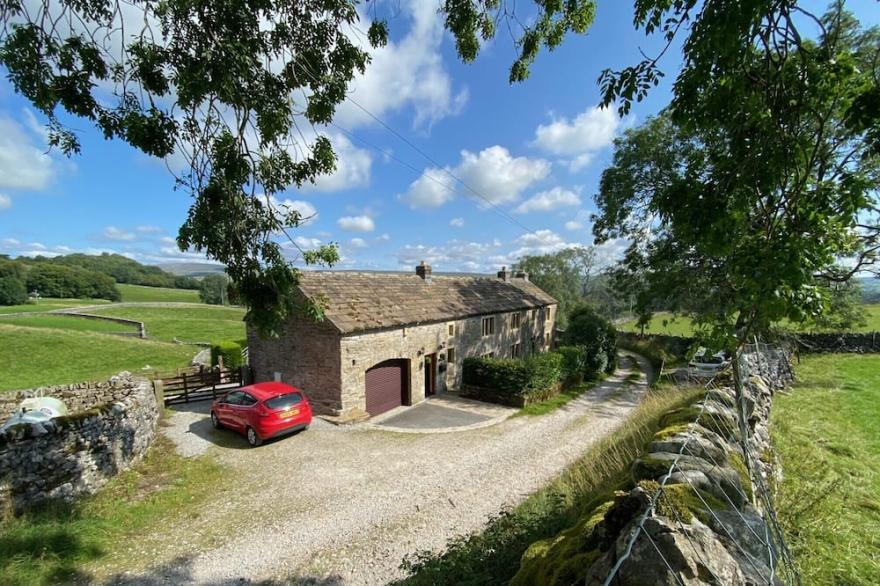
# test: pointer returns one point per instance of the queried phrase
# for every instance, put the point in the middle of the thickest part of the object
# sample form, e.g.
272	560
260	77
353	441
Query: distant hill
870	287
120	268
192	269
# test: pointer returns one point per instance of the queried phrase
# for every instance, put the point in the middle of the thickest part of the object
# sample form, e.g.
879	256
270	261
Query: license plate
289	413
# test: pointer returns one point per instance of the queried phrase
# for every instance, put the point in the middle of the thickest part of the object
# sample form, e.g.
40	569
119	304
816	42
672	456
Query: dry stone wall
708	525
110	426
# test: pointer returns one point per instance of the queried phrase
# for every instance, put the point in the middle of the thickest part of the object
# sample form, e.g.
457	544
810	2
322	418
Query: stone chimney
522	275
504	274
424	271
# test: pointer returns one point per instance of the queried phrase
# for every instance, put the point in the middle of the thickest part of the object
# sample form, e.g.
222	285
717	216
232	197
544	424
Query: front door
430	374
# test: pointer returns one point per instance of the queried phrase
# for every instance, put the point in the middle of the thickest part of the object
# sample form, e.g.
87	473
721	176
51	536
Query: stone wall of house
110	426
360	352
306	356
708	526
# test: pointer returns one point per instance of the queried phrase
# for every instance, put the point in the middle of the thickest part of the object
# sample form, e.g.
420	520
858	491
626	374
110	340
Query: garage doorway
387	386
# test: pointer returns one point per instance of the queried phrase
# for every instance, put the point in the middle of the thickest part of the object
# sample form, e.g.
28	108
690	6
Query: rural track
344	505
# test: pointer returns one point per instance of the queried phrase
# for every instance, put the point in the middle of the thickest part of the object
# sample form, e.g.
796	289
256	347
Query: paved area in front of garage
444	413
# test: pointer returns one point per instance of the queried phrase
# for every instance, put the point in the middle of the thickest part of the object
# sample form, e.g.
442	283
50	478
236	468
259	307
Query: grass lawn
206	323
48	304
827	434
141	293
64	322
493	555
64	543
42	356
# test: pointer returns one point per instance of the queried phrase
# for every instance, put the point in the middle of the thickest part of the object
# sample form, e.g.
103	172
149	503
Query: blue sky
536	150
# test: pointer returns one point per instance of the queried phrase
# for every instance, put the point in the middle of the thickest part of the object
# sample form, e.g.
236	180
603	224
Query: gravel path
346	504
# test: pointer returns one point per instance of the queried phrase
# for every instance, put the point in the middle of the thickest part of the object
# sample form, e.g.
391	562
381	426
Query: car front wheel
215	421
252	437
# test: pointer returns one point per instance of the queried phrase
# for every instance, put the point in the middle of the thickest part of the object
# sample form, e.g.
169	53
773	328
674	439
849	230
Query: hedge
514	376
230	350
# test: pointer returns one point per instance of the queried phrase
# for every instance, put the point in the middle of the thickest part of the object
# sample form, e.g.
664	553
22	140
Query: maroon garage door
385	386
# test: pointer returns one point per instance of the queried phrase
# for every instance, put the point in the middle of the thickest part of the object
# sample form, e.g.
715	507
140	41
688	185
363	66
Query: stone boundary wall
713	538
109	428
861	342
141	330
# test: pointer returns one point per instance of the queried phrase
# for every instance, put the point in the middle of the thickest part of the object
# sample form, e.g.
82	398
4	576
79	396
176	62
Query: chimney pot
504	274
424	271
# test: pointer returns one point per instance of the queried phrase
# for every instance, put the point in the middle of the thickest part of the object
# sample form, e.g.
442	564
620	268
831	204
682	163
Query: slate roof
369	301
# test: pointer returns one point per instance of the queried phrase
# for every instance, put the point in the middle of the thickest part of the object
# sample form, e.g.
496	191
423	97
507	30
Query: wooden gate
199	384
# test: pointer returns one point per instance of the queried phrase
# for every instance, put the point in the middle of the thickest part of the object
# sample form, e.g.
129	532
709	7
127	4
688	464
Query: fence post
159	391
185	390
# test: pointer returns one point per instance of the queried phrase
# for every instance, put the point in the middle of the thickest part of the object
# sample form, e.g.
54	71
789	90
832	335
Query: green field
49	304
206	323
665	323
140	293
34	357
64	322
827	434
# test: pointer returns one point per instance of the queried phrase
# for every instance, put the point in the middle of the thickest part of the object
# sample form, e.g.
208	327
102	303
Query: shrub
230	350
574	362
598	338
515	377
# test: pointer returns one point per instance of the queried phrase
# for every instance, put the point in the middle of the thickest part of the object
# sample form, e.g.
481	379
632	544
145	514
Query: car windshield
284	401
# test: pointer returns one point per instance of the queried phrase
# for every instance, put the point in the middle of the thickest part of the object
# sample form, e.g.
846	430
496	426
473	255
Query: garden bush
517	378
597	336
574	362
230	350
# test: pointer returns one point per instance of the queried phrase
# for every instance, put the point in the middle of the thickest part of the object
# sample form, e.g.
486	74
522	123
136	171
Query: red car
262	411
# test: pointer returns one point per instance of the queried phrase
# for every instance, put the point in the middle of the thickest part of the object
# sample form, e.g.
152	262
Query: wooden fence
199	383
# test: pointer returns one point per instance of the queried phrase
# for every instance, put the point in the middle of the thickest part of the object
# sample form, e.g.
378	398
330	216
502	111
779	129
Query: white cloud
5	202
11	242
168	240
591	131
23	162
114	233
457	222
353	166
383	238
149	229
356	223
546	201
573	225
307	211
494	173
455	255
405	74
358	243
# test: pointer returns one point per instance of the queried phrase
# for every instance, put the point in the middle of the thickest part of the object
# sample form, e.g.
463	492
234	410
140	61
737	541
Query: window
546	314
547	339
488	326
451	330
234	398
450	356
534	313
247	400
516	350
515	319
284	401
488	355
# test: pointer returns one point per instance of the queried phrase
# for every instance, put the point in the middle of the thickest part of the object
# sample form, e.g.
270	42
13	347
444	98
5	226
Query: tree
12	285
560	274
596	335
743	200
213	289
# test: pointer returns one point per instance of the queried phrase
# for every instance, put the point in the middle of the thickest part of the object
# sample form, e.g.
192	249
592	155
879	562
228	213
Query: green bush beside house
230	351
591	351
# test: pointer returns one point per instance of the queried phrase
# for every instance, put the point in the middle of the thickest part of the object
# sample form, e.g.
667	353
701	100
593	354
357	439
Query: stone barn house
394	339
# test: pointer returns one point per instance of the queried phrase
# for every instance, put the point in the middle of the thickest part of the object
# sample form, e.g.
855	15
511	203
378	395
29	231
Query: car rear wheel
252	437
215	421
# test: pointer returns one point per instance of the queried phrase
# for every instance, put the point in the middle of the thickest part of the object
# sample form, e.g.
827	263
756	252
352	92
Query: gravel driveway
346	504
